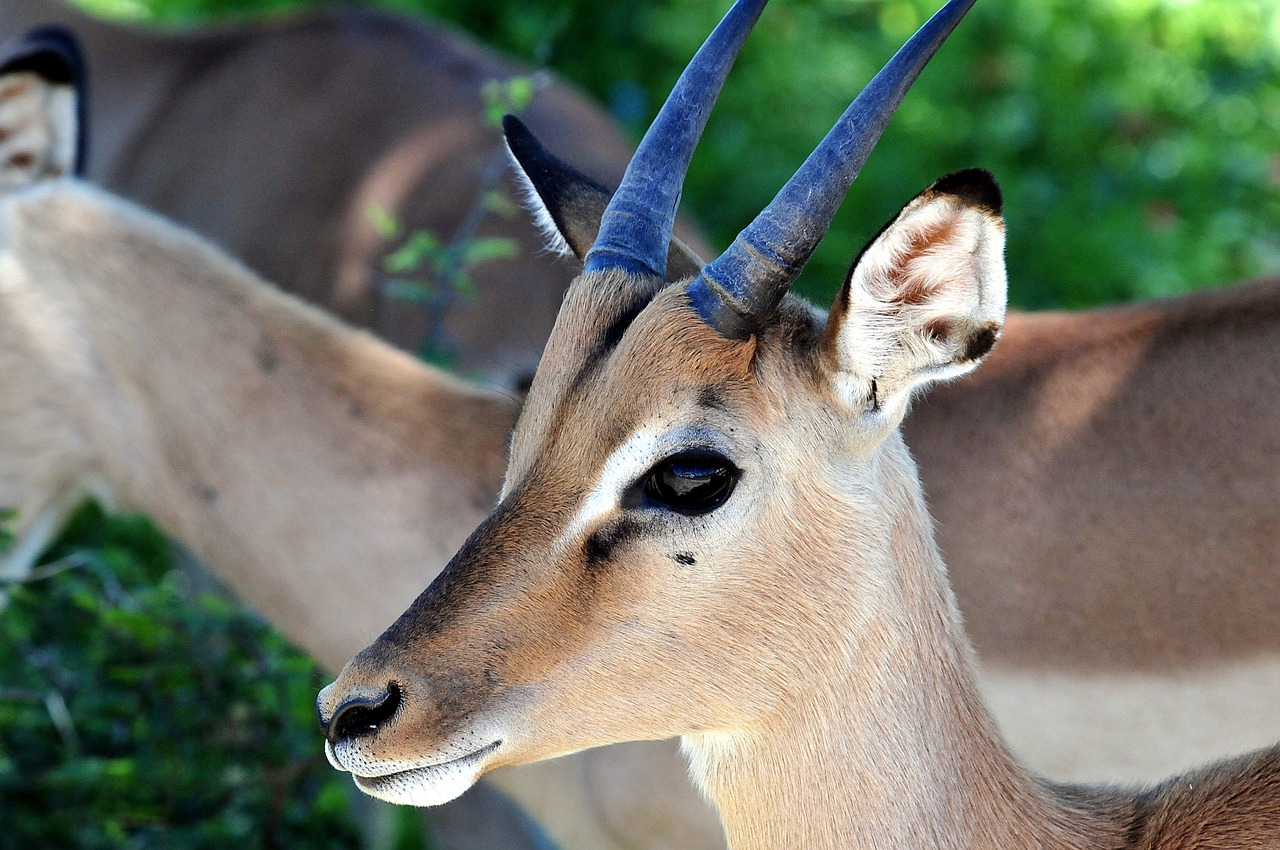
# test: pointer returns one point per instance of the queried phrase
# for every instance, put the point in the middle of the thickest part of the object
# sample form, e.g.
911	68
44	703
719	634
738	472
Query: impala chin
428	781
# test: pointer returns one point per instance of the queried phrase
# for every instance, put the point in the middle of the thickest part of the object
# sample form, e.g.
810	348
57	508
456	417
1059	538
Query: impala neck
304	459
893	750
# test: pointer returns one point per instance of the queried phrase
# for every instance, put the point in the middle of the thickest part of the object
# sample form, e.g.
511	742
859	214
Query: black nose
362	715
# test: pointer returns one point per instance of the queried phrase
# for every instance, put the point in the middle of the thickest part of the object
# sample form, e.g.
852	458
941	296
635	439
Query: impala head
689	455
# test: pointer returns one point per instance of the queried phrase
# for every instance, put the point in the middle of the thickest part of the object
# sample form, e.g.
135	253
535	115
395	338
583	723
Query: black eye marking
601	545
711	398
692	482
685	559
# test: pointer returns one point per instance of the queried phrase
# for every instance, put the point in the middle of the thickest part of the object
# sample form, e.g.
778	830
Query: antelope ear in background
567	205
42	108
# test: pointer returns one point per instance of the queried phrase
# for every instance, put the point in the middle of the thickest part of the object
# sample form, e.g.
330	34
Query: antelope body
1122	601
322	489
274	140
137	363
1119	596
710	526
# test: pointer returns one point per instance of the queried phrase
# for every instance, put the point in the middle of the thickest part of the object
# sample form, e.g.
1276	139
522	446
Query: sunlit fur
274	137
806	644
320	473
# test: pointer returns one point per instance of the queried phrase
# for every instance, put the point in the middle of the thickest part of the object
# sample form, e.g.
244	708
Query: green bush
1135	139
138	712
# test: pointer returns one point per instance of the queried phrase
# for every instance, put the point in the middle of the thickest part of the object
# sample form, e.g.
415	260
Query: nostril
363	715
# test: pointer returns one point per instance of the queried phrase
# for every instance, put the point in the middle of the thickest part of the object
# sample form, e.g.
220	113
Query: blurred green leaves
506	97
137	711
1135	139
1137	143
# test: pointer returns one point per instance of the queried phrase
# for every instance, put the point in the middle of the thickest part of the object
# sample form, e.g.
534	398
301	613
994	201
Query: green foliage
424	270
7	517
1135	139
142	713
506	97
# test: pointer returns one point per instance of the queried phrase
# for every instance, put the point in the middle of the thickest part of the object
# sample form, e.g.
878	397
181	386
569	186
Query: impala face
686	454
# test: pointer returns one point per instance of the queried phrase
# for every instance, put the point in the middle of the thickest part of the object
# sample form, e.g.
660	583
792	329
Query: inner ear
926	298
42	108
568	205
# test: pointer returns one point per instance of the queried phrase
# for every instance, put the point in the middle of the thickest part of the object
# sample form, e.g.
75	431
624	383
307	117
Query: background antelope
711	527
299	125
136	357
1182	576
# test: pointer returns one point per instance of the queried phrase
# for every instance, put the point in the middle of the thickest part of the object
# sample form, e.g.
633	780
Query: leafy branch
424	269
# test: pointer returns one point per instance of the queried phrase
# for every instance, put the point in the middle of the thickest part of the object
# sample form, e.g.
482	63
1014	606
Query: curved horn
745	283
636	227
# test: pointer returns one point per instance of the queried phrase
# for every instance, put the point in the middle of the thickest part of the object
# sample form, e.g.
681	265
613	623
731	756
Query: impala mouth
429	784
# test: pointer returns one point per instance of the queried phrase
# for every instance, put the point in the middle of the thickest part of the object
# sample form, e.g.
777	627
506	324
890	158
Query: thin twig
49	570
447	295
61	717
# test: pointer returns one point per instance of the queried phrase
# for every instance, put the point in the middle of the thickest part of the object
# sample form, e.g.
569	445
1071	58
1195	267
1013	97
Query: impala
137	362
1100	599
298	125
1120	609
711	527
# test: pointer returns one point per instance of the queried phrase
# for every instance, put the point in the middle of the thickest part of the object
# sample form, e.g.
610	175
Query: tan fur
107	314
135	356
1063	359
1075	506
355	490
295	126
809	650
1156	541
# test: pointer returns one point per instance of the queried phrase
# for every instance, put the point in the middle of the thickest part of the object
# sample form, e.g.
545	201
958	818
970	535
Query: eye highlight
696	481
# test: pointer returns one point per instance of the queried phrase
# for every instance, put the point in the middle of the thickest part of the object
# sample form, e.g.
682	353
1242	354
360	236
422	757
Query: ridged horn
636	227
743	286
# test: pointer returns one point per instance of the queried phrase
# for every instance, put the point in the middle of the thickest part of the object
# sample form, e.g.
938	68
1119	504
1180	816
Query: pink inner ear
908	281
15	88
939	330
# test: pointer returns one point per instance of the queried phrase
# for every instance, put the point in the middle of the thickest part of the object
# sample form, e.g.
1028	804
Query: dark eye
692	482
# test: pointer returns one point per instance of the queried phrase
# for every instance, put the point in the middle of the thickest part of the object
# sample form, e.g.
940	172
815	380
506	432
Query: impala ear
567	205
42	108
925	301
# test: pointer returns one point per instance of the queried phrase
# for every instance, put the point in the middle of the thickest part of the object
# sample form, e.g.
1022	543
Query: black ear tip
515	130
524	146
53	52
55	37
975	186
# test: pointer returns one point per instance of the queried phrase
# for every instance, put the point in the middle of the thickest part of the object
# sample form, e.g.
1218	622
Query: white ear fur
532	201
38	132
926	300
